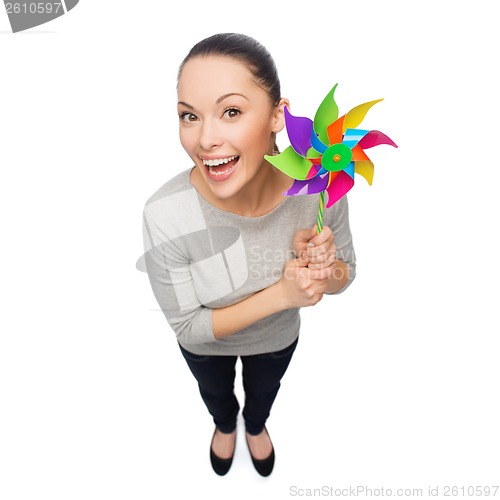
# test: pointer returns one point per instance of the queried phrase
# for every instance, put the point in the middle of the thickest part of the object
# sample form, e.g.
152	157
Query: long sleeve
337	219
169	272
200	258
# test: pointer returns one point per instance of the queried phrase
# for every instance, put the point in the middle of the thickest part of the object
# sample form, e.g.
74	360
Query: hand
297	286
300	241
318	251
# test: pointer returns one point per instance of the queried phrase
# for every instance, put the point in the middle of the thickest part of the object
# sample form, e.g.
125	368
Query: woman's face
226	122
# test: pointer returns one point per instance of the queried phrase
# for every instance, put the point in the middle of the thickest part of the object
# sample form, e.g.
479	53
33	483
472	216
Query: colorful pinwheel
325	154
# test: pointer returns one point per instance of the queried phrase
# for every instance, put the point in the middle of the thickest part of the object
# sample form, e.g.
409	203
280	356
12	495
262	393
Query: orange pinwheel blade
358	154
334	131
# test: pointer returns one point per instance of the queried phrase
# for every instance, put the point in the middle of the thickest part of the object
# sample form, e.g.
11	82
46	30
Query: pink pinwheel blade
339	186
313	172
375	138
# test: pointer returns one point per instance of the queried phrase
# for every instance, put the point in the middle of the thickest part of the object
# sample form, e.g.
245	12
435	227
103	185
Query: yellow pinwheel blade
365	169
357	114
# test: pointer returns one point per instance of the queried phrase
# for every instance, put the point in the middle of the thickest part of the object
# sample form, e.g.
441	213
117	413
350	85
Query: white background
394	384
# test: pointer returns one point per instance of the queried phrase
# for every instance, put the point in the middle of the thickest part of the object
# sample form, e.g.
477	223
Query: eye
187	117
232	112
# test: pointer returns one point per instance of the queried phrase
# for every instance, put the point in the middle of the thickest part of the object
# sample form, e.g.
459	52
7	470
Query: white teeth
213	172
222	161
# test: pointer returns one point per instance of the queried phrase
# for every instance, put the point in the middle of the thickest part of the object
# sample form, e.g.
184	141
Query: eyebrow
225	96
219	100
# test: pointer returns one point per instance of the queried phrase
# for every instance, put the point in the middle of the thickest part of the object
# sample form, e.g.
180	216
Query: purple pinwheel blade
311	186
299	131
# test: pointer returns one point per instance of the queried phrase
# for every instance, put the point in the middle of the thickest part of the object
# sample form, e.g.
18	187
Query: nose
210	135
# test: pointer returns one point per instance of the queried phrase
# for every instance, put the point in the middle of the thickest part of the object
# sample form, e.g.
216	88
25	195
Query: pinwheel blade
291	163
312	154
317	144
375	138
352	136
349	170
326	153
327	113
357	114
365	169
358	154
339	186
334	131
315	169
312	186
299	130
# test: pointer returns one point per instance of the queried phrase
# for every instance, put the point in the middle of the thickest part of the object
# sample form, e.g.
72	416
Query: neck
262	193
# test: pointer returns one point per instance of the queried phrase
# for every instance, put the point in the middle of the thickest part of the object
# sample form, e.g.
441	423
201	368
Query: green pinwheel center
336	157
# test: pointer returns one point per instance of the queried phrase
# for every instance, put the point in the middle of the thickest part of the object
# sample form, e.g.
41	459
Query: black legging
261	376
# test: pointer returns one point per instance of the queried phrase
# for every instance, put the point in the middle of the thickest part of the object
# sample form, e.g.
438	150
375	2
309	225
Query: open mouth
221	169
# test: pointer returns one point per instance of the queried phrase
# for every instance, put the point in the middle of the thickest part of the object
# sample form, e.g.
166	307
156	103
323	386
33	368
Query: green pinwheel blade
312	153
326	114
291	163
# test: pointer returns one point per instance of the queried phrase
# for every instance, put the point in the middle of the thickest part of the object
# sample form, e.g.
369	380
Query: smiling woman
231	260
227	125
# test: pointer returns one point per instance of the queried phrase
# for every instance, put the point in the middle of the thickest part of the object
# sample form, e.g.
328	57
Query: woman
230	259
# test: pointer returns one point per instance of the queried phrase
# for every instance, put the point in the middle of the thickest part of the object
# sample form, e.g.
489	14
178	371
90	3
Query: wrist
339	278
278	296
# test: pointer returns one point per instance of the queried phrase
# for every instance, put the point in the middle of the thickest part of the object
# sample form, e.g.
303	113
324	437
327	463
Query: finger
320	258
303	257
326	261
324	273
304	235
292	268
315	287
315	250
302	263
312	265
322	237
321	287
320	253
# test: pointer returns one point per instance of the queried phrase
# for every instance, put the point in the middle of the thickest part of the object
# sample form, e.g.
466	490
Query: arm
295	289
172	284
231	319
339	278
171	280
168	268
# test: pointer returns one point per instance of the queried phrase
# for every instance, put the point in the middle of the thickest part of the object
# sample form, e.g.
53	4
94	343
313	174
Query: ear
278	119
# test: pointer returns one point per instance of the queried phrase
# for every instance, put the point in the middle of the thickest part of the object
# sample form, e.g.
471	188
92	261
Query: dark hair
247	50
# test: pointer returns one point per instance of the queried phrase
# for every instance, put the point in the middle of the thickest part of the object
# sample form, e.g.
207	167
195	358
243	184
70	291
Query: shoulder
339	209
174	209
176	184
175	199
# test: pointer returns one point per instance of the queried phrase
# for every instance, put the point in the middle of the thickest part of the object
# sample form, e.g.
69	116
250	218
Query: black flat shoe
263	466
220	466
